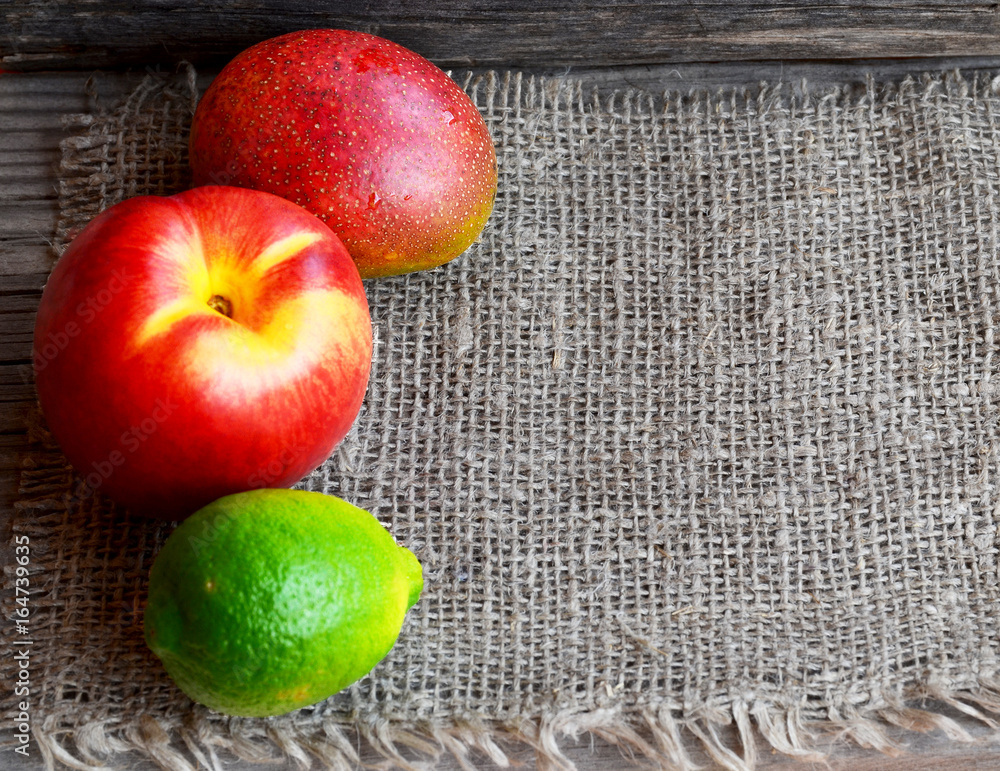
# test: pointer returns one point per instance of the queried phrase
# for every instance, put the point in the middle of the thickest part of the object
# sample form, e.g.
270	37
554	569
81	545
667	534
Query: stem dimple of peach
221	304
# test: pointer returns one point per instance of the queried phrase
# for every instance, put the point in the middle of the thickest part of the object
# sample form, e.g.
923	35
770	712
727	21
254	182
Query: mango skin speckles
371	137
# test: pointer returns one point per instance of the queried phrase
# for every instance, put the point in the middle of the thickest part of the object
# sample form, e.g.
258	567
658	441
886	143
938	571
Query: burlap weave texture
703	429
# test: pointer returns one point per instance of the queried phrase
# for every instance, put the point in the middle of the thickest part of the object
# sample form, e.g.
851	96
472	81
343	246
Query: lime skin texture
270	600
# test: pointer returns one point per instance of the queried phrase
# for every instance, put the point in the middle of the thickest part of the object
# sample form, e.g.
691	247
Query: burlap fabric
702	432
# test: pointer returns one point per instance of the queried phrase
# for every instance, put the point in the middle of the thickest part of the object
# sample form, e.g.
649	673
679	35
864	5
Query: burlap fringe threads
730	738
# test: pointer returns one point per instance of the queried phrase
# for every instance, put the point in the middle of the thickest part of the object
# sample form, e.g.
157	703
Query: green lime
270	600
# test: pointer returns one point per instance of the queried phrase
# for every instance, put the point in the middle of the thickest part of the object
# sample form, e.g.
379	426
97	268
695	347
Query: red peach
199	345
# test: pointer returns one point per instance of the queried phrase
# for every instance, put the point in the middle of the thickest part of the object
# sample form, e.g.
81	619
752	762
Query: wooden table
55	72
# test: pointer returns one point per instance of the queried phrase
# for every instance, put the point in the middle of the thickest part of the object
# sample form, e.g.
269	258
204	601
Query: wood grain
28	159
476	33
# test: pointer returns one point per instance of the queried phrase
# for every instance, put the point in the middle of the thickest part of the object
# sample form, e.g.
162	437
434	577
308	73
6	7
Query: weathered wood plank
84	34
26	161
25	120
16	384
26	218
816	76
14	416
44	139
23	282
42	84
24	270
21	184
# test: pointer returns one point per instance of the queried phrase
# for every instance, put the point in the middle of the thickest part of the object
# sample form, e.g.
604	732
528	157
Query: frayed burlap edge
670	735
